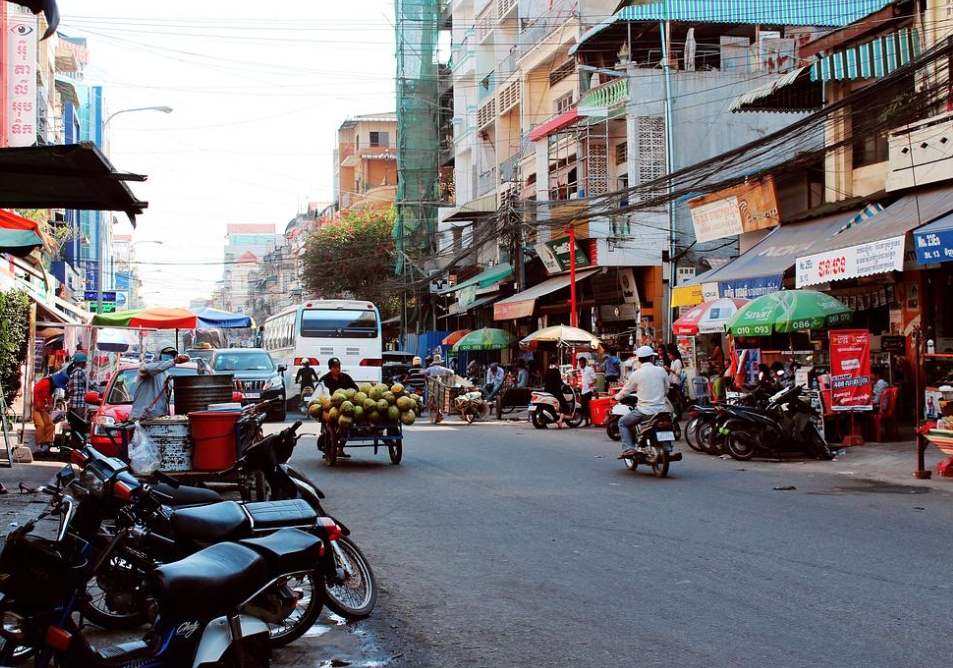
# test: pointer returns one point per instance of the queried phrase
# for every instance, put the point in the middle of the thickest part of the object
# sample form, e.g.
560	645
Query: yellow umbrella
561	335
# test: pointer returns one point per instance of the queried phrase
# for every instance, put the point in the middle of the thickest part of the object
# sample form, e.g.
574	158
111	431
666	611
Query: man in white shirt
589	380
650	383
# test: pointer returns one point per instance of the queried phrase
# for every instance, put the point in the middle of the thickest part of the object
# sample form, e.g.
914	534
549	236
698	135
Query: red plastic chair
886	419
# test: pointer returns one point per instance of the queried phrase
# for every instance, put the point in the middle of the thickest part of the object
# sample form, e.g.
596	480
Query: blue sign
934	246
749	288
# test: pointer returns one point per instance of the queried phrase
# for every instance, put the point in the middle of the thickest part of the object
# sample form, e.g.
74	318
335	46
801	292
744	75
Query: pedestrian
589	380
306	376
522	374
612	368
42	420
494	380
674	365
716	360
553	384
151	398
76	387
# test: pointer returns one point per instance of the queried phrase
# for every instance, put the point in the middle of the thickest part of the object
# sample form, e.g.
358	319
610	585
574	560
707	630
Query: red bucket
213	439
599	410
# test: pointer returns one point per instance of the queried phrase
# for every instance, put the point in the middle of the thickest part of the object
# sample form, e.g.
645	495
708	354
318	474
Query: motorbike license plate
252	395
531	408
665	436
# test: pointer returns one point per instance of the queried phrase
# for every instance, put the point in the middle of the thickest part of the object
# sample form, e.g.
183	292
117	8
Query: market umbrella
488	338
789	311
451	338
561	335
18	235
153	318
210	317
707	318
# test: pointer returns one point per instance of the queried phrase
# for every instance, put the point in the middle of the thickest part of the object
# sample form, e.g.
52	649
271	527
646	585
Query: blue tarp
210	317
934	242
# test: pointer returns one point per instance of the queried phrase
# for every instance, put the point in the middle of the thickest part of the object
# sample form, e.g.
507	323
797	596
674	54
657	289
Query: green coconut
314	410
337	399
376	393
393	413
350	393
397	389
325	401
358	415
359	398
369	404
365	388
334	414
389	397
405	404
408	417
325	416
373	417
347	408
382	406
345	421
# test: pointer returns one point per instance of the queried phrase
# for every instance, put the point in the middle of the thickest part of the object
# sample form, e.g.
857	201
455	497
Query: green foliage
14	338
352	257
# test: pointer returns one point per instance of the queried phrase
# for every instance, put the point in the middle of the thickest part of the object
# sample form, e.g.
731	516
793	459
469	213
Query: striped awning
792	92
872	60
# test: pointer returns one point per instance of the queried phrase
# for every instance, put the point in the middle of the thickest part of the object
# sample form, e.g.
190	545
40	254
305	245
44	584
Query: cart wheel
395	451
331	448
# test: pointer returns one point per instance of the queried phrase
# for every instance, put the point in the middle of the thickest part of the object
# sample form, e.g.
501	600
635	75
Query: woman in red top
42	403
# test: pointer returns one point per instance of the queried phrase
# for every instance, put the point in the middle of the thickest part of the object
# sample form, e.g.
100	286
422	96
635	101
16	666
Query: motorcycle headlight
101	422
93	483
13	625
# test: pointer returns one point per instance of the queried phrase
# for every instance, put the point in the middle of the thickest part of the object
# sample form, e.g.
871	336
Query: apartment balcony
610	95
351	155
487	87
509	169
531	33
485	24
376	196
486	182
508	65
505	9
486	113
920	153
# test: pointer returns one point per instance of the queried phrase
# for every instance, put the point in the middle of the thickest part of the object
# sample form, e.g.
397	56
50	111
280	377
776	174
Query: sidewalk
890	462
17	508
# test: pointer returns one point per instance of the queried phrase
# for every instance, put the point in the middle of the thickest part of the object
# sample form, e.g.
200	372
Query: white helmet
644	351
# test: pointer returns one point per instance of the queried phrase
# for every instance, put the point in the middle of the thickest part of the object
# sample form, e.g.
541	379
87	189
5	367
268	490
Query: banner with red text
851	389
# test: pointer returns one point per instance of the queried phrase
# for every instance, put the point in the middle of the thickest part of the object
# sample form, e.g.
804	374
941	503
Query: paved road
499	545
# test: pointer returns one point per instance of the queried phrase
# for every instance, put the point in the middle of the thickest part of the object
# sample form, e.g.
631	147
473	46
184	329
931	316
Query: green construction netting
418	124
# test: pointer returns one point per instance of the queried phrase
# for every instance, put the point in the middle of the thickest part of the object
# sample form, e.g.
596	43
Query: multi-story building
127	282
365	161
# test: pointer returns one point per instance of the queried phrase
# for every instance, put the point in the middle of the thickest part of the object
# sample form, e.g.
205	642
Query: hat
204	345
334	361
80	357
645	351
60	379
416	361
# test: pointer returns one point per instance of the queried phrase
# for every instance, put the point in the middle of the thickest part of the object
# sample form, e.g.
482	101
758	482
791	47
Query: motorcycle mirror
65	475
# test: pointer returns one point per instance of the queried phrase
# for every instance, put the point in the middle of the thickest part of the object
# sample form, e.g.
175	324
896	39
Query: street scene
481	333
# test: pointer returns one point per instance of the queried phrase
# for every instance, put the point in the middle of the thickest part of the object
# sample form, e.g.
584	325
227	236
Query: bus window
351	324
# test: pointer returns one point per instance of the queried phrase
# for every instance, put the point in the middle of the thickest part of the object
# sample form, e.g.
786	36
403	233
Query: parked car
115	403
256	376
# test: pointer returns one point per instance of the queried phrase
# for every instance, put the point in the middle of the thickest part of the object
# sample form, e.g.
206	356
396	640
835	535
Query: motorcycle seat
210	582
271	515
186	495
288	550
212	523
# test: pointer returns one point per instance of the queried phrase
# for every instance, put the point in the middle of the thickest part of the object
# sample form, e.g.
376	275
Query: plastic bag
144	456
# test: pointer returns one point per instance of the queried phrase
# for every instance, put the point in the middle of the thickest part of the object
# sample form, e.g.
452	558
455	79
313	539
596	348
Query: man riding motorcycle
650	384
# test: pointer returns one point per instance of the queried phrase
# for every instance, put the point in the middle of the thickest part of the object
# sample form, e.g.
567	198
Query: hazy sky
257	89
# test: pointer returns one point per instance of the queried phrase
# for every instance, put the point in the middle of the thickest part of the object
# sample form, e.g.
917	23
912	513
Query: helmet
645	351
60	379
416	361
80	357
334	361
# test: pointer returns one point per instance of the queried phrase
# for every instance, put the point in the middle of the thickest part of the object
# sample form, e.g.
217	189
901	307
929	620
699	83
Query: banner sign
851	388
514	310
19	115
466	296
555	255
933	246
750	288
743	208
876	257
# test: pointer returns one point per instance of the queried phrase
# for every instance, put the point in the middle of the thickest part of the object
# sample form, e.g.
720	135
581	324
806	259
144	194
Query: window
562	72
651	154
621	153
341	324
871	148
563	103
379	139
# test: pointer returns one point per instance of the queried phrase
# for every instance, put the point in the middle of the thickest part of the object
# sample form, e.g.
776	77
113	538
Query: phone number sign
876	257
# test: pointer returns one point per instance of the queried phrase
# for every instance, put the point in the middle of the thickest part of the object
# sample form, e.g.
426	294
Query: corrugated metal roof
791	92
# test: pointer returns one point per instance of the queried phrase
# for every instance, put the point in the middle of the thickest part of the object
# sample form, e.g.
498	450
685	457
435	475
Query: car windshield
200	353
123	388
244	362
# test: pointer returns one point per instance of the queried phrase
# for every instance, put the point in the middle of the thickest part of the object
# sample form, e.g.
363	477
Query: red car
114	406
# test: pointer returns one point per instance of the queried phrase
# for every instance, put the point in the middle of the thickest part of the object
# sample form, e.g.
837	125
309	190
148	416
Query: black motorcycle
653	445
786	424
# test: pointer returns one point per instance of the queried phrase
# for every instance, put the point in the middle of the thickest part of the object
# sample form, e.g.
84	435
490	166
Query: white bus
324	328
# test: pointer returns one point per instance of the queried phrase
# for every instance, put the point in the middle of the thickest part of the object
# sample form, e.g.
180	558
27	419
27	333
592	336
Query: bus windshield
338	323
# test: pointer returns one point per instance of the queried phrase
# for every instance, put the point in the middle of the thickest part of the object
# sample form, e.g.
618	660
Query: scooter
544	410
653	445
307	393
622	408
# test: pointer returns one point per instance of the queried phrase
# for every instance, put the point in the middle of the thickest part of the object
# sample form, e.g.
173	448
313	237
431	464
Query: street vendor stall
701	329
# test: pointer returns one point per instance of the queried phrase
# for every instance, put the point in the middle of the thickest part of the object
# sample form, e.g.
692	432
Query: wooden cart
389	436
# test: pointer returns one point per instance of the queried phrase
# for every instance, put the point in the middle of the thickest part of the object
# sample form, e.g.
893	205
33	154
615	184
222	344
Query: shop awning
876	245
760	270
456	309
793	92
521	305
495	274
210	317
872	60
475	208
74	176
934	242
18	235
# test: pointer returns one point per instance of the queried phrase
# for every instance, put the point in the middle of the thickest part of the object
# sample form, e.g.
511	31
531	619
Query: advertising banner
876	257
851	389
20	63
717	220
743	208
555	255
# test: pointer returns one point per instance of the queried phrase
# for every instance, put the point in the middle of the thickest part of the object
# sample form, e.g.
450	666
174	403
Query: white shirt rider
650	383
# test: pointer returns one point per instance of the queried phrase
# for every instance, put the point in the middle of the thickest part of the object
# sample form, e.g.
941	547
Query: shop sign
747	207
893	344
513	310
630	291
710	292
620	313
466	296
19	61
851	388
876	257
687	295
933	247
555	255
750	288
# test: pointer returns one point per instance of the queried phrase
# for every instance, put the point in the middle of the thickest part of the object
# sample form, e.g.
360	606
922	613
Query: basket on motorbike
599	410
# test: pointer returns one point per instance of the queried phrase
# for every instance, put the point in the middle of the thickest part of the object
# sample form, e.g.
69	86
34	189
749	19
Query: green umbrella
488	338
789	311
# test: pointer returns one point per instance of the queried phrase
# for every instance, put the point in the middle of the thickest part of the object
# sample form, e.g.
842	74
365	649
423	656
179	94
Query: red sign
850	370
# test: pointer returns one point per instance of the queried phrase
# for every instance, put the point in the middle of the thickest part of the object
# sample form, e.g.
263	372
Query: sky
257	90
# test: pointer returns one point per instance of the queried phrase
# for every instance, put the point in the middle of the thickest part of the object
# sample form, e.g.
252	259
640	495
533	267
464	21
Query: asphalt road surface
499	545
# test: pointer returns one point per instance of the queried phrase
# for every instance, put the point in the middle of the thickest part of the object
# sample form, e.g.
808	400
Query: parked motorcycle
654	440
199	600
624	407
544	408
472	406
786	424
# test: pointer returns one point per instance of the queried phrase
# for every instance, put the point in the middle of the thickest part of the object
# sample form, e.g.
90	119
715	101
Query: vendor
335	379
151	398
43	391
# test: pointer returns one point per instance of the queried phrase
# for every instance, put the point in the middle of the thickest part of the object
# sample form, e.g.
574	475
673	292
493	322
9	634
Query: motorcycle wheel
821	449
704	437
741	444
575	420
660	462
612	429
355	597
691	434
469	414
308	604
95	606
543	417
677	430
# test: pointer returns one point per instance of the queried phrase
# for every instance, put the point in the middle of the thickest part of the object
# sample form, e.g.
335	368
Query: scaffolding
418	127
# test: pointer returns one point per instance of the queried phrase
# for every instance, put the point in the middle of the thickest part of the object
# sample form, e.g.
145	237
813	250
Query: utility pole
665	27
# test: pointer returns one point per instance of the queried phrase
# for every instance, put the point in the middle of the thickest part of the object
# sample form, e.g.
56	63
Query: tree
351	256
14	339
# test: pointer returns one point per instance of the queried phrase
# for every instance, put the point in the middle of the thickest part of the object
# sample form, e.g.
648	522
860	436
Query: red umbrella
18	235
707	318
451	338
